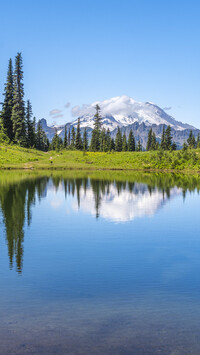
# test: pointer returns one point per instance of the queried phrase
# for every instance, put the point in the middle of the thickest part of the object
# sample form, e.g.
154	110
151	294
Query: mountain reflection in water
117	199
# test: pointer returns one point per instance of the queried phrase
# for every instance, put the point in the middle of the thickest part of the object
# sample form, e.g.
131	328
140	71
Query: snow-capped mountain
125	112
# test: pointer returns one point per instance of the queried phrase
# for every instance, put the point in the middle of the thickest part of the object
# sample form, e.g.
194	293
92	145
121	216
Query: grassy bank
20	158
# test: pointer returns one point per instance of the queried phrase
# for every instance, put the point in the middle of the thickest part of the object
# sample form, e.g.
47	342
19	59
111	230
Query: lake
99	263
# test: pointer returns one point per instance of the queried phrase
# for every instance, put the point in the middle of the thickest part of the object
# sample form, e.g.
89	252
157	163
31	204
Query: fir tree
163	143
85	140
102	140
29	125
112	144
191	140
56	143
149	140
198	141
95	140
131	142
118	140
108	141
42	142
65	138
69	138
124	143
73	139
174	146
78	140
139	147
8	104
18	110
154	144
168	138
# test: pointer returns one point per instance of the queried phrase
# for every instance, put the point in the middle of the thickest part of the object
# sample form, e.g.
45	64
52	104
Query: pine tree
168	138
131	142
198	140
8	104
191	140
69	138
124	143
108	141
118	140
95	140
154	145
18	110
174	146
102	140
56	143
78	140
149	140
139	147
65	138
112	144
85	140
29	125
73	139
163	143
42	142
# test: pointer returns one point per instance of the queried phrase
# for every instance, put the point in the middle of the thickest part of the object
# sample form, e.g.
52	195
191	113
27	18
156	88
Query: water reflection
115	197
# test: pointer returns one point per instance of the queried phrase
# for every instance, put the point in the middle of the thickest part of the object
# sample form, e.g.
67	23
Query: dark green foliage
149	140
131	142
185	146
57	142
85	140
163	143
108	141
191	140
30	126
102	140
198	141
168	138
95	140
65	142
69	138
42	142
18	110
139	147
112	144
118	141
124	143
73	138
8	103
174	146
78	141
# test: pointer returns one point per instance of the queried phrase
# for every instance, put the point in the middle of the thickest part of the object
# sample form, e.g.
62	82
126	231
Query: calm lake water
99	263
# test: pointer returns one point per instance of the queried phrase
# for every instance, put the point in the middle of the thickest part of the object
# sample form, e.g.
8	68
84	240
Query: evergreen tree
168	138
139	147
7	125
198	141
108	141
65	138
102	140
73	139
154	144
112	144
42	142
56	143
191	140
163	143
29	126
85	140
118	140
174	146
78	140
149	140
95	140
124	143
131	142
18	110
69	138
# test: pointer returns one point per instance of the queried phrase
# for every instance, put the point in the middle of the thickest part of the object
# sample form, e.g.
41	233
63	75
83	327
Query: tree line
17	124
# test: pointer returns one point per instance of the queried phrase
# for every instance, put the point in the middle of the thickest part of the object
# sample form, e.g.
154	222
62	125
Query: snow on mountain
123	111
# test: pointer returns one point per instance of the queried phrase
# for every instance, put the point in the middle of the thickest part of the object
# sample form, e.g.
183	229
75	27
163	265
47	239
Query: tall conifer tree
8	103
18	110
131	142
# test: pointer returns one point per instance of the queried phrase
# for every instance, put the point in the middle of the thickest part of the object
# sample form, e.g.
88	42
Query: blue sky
79	52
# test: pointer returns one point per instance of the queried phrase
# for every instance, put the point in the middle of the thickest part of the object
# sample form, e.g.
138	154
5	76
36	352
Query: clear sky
77	52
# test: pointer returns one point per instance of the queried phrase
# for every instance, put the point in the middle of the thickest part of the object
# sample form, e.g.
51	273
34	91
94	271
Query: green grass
20	158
